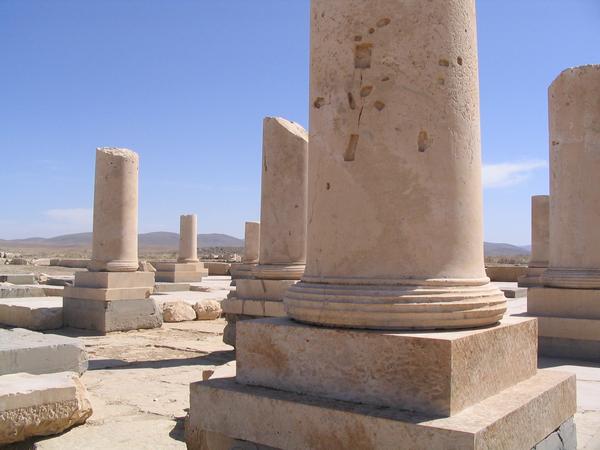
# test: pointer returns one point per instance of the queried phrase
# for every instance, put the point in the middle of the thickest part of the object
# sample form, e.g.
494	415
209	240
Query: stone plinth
540	241
433	373
511	419
568	305
115	240
106	301
175	272
188	239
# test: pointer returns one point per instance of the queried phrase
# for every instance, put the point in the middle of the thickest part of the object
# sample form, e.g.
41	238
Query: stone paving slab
36	353
17	278
33	313
8	290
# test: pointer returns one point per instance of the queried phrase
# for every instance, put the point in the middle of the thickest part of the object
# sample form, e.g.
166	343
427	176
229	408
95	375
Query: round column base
114	266
278	271
425	305
571	278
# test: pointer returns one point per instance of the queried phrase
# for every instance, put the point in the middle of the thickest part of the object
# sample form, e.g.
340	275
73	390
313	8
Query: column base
396	304
568	321
107	316
179	272
533	277
272	418
111	301
241	271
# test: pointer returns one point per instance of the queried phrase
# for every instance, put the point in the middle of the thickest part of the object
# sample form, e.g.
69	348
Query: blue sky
187	83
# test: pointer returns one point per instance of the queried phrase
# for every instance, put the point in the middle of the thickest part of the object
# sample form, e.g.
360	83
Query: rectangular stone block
258	308
254	289
178	277
573	303
107	316
16	291
111	280
562	337
40	405
33	313
167	266
436	372
37	353
514	292
112	294
161	287
516	418
17	278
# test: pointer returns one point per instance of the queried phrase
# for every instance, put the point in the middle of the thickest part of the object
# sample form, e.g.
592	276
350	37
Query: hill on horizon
157	239
169	240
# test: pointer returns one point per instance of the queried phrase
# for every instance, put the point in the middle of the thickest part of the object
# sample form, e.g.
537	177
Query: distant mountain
498	249
160	239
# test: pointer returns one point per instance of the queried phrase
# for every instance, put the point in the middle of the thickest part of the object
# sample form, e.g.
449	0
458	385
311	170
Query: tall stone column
251	242
394	241
113	295
568	305
188	239
282	241
574	102
540	241
282	253
115	234
395	234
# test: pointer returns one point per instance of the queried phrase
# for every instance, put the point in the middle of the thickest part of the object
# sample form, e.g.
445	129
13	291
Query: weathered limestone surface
33	313
540	241
114	245
568	304
395	236
207	310
517	418
179	272
36	353
434	373
188	239
40	405
178	312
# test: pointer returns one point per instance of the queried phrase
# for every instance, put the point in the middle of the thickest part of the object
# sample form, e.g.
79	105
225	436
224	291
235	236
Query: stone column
251	242
395	236
540	241
115	240
188	239
394	241
568	304
574	102
282	252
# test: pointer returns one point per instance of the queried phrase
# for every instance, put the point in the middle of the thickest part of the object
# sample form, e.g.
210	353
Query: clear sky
186	83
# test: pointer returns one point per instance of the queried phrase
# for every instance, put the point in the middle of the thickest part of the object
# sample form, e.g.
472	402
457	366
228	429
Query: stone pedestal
113	296
568	304
188	268
282	241
540	241
111	301
300	386
243	270
369	357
